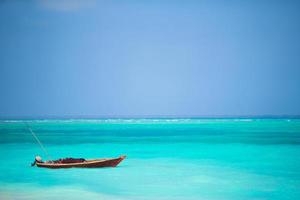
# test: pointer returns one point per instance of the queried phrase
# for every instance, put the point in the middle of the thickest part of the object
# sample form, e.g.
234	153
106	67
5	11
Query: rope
39	142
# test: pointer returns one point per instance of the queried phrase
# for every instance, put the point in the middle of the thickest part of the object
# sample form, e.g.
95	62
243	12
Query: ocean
191	159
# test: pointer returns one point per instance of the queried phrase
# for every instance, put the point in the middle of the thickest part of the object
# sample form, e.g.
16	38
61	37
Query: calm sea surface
224	159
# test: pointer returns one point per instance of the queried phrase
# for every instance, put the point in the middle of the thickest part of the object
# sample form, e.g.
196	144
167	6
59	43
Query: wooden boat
95	163
73	162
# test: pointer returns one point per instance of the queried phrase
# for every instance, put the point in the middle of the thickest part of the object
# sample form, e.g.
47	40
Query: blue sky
149	58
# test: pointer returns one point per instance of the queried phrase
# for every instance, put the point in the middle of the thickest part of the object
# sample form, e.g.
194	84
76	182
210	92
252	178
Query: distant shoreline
153	117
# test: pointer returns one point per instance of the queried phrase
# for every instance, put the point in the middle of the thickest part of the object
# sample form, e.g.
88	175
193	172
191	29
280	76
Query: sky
154	58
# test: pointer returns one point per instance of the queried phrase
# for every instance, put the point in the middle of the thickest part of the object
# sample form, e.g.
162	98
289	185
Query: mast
39	142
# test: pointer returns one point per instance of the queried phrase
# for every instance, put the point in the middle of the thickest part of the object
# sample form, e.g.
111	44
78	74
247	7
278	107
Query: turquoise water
236	159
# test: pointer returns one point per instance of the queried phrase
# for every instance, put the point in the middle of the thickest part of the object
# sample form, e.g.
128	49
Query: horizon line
151	117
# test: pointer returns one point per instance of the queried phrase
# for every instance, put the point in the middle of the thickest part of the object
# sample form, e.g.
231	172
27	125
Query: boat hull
97	163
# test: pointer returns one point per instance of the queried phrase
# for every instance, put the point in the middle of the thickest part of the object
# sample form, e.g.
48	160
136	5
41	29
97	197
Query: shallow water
167	159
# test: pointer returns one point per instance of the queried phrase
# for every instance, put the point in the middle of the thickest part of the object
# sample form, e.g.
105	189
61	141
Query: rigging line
39	142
